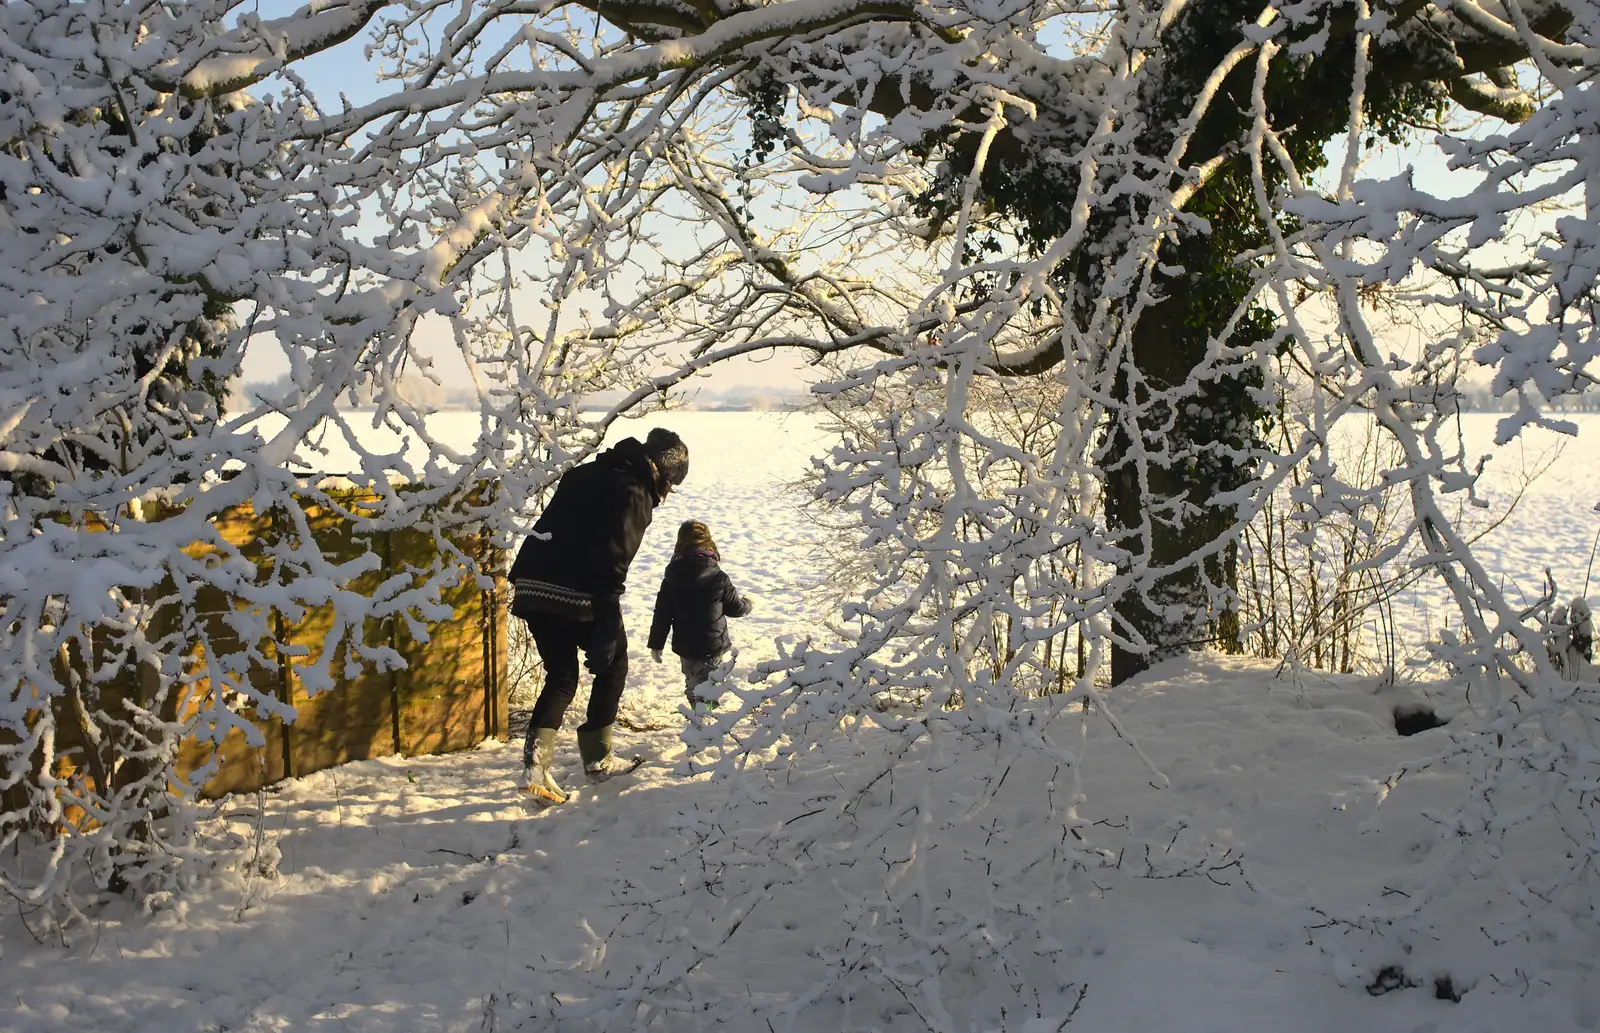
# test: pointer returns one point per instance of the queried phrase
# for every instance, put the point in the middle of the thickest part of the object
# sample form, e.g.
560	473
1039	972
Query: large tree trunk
1172	612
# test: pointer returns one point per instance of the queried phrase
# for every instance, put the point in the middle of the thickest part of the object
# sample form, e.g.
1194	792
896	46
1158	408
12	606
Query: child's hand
655	654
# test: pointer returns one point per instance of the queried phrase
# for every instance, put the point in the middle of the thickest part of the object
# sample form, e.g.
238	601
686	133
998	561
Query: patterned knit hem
541	597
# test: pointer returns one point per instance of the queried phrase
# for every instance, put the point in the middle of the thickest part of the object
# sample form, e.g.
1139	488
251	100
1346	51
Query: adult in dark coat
569	577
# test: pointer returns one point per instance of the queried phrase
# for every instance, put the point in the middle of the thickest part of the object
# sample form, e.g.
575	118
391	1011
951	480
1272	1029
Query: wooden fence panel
448	698
443	691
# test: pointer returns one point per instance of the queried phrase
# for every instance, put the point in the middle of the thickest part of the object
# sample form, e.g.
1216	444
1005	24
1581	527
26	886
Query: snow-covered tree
174	195
1158	205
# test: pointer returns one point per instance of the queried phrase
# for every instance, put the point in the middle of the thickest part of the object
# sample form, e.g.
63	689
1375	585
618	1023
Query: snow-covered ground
401	895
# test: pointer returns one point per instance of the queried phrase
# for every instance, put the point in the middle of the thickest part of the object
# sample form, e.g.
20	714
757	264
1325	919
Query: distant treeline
424	392
1480	399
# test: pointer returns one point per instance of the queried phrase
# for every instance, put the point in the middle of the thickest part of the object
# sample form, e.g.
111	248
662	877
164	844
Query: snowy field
742	463
1552	527
401	895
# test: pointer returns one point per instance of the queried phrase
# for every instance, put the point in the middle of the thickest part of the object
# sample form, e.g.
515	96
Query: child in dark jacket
695	599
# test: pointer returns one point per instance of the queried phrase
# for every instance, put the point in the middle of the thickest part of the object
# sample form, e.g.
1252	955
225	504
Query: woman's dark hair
670	455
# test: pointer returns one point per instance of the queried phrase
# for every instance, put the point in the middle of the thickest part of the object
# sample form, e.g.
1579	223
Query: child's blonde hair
693	536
